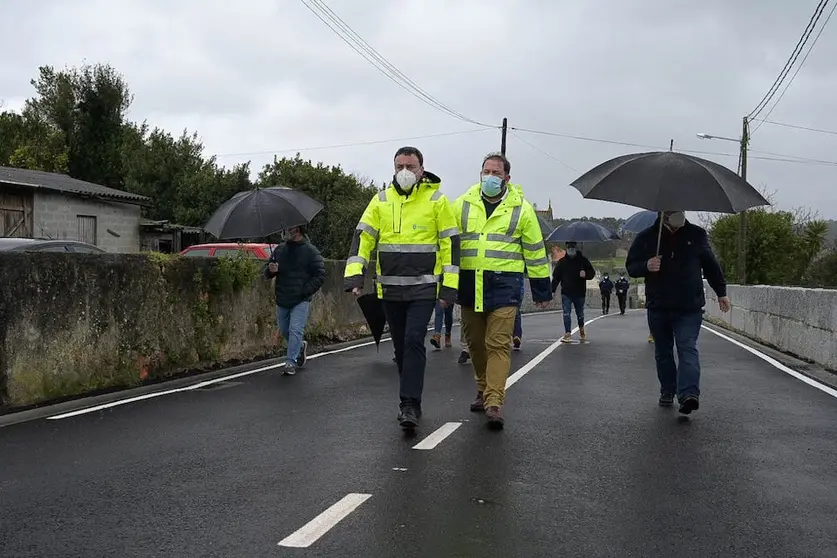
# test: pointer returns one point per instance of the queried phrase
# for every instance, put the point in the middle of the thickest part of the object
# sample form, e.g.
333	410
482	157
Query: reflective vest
510	241
417	242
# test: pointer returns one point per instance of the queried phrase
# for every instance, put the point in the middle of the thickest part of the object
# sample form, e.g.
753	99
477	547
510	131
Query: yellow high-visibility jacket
496	249
417	242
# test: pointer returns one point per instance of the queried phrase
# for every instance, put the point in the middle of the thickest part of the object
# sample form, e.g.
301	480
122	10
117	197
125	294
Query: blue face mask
491	186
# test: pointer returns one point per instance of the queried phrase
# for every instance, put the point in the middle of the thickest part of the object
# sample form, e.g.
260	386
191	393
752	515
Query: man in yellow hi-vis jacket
414	230
500	237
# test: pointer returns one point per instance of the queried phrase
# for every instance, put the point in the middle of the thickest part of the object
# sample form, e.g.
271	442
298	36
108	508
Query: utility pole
505	130
742	223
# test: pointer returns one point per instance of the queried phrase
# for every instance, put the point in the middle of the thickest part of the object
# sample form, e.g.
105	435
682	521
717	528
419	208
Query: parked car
259	251
47	245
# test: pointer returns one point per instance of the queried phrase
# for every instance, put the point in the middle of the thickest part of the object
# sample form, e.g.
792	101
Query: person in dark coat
675	299
572	272
622	286
606	289
299	270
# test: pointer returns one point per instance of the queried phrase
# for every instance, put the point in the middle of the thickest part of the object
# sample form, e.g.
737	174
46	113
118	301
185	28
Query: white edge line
322	524
775	363
436	437
529	366
220	379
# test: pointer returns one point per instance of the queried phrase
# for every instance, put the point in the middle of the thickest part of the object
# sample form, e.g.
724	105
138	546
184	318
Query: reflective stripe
466	208
502	255
469	236
539	261
406	281
515	219
500	237
409	248
436	195
357	259
368	229
382	196
450	269
468	253
532	247
447	233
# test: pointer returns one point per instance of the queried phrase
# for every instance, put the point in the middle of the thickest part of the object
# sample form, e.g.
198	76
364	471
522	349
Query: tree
823	272
85	108
780	248
343	196
31	144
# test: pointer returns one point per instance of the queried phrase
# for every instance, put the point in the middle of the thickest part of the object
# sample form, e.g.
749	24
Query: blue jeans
667	328
567	303
291	323
518	324
447	314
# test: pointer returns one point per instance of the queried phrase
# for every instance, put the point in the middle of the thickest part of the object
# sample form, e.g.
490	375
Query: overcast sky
257	77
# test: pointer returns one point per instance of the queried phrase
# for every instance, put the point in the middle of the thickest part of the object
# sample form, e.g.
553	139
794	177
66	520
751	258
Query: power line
352	144
543	152
778	157
801	64
360	46
798	127
791	60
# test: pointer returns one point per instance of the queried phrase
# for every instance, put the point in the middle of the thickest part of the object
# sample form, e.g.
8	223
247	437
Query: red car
259	251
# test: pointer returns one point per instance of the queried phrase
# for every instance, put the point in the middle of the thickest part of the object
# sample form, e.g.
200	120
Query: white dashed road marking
323	523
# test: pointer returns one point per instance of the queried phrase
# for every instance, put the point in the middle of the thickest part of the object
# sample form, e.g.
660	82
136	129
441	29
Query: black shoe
407	418
688	404
666	400
290	370
464	357
303	355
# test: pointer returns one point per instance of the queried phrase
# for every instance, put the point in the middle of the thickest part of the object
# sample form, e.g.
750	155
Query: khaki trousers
489	337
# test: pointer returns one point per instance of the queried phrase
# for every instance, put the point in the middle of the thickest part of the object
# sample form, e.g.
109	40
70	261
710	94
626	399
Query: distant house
35	204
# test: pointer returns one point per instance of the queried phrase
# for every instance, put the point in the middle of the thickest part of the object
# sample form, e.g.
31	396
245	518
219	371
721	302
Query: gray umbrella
669	181
261	212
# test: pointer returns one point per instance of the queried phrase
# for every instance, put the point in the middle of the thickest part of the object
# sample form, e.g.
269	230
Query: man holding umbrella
675	300
501	237
412	226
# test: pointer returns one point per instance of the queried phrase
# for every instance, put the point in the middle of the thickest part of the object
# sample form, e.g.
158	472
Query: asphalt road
587	465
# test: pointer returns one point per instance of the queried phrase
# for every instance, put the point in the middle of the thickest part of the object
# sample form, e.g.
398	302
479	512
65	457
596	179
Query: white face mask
406	179
677	219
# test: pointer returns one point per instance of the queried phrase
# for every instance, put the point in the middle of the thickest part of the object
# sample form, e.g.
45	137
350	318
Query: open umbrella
639	221
669	181
581	231
373	311
261	212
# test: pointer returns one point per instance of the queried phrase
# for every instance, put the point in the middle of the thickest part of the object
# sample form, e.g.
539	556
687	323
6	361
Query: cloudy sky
258	77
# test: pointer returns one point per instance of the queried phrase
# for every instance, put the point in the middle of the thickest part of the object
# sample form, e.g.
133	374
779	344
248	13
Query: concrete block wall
802	322
55	215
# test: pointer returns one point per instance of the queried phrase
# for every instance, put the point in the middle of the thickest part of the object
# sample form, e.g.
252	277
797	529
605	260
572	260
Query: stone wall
56	215
72	324
801	322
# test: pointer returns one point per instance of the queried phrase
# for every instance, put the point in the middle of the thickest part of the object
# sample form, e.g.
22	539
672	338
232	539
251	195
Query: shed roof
66	184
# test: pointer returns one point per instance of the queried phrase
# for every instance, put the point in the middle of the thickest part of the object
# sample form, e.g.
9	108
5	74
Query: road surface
588	464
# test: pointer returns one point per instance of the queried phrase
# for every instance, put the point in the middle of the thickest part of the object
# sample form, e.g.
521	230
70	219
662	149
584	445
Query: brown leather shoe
478	404
448	342
495	417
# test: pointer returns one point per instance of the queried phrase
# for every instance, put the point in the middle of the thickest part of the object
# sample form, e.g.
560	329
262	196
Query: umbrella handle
660	234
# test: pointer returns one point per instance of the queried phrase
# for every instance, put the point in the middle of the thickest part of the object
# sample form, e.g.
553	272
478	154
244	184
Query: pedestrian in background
299	272
622	286
501	237
606	289
446	315
675	299
572	273
411	225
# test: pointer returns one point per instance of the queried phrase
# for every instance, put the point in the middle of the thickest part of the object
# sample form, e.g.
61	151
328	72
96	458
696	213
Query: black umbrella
261	212
640	221
581	231
373	311
669	181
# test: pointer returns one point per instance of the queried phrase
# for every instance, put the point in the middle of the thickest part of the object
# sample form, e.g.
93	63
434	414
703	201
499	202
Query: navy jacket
301	272
500	289
567	273
606	286
622	286
685	258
